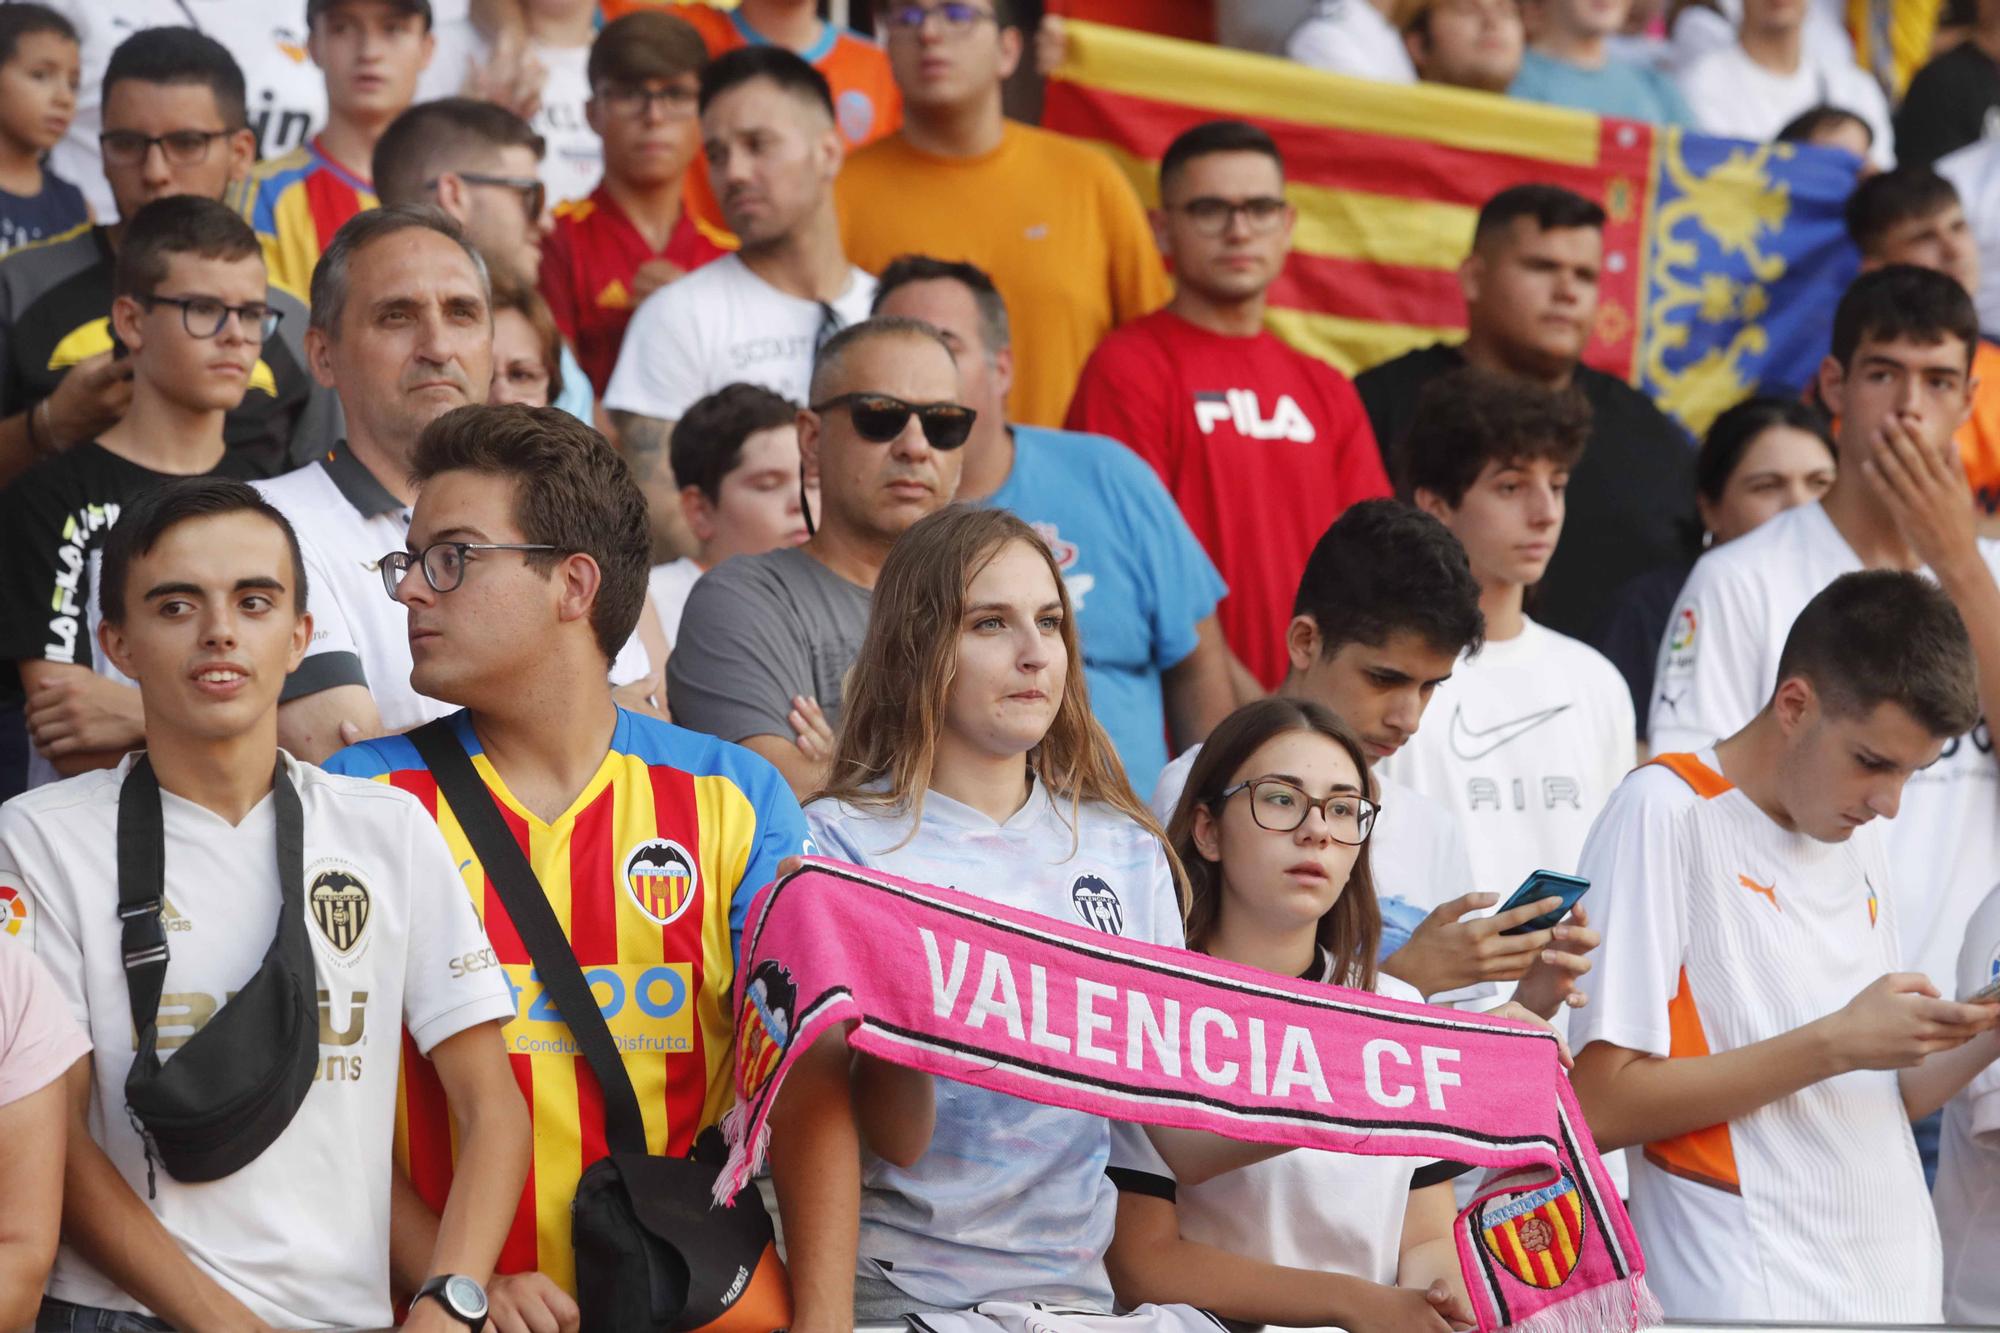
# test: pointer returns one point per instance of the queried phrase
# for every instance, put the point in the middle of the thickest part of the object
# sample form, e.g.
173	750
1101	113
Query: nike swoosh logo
1469	744
1761	890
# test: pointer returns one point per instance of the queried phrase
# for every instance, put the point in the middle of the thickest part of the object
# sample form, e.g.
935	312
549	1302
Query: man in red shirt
632	235
1261	445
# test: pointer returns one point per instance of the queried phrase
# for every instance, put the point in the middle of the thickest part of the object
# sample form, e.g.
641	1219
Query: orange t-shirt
1979	437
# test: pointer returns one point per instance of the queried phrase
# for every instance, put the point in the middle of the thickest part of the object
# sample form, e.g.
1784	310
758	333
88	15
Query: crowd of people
611	451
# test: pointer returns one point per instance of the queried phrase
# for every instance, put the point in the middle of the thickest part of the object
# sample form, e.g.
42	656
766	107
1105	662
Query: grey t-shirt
759	629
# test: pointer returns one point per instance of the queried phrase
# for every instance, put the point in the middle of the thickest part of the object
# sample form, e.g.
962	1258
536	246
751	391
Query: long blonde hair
896	693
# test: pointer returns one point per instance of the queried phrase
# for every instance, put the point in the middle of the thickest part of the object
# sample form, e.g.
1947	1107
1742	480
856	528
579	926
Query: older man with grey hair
766	639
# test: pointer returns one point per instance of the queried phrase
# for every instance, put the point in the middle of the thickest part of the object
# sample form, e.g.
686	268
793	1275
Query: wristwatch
462	1298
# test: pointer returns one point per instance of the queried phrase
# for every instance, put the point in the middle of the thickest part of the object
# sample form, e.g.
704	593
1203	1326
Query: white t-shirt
574	161
301	1234
1968	1179
1010	1202
670	584
1351	37
1699	30
1732	95
1719	663
1975	171
285	94
721	325
1523	745
1721	930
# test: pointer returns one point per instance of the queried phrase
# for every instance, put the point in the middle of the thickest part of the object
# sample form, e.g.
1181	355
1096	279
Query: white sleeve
632	663
1979	966
45	905
1451	877
1706	682
1634	860
660	371
452	980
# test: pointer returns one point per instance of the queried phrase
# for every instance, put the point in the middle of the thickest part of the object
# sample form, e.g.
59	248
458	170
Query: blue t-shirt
1621	88
57	209
1136	575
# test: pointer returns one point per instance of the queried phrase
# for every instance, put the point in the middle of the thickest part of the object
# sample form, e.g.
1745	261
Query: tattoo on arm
644	442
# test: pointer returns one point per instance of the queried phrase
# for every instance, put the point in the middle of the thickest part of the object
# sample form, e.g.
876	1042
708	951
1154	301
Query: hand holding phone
1987	994
1545	884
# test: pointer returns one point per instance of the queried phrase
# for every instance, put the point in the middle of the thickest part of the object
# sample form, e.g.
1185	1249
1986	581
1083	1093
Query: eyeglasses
878	418
958	19
182	148
443	563
1280	806
1212	216
205	316
636	102
534	195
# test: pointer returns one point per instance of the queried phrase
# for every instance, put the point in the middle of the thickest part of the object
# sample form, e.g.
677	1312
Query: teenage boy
1570	63
1537	727
736	454
1261	445
1749	88
633	234
756	317
1053	220
192	311
524	570
38	80
204	604
370	53
1755	1028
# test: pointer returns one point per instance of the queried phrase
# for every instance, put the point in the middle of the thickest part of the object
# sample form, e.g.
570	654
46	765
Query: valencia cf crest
764	1028
1097	904
339	903
661	878
1535	1234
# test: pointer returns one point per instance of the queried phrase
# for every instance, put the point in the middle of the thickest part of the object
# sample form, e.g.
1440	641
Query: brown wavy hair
1351	932
894	703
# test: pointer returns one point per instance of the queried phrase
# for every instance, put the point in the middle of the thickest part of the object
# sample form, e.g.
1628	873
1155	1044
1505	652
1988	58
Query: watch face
466	1297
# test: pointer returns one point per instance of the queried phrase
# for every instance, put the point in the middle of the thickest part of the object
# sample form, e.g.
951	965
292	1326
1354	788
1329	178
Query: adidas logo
171	918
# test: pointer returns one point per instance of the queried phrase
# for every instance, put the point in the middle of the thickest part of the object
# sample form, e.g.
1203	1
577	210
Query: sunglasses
878	418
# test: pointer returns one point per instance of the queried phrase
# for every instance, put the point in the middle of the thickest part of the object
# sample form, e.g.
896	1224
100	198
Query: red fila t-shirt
1262	447
588	263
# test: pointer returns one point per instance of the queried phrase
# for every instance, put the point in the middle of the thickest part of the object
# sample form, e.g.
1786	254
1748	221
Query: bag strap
535	921
142	875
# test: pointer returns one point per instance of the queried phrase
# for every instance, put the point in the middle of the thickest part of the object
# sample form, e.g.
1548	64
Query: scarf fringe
1615	1307
746	1155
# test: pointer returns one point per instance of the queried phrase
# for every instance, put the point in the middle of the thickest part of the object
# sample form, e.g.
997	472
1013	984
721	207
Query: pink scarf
1055	1013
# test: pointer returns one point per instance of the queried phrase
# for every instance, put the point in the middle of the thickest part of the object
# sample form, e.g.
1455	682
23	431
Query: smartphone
1539	885
1987	994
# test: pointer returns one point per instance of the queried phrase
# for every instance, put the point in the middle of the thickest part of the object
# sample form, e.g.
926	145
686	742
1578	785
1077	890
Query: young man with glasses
1261	445
370	52
193	313
634	233
766	640
1052	220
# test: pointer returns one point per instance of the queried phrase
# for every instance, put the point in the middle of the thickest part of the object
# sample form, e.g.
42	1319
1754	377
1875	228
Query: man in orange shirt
1052	220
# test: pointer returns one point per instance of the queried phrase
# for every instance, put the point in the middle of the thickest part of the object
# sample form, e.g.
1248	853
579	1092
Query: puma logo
1762	890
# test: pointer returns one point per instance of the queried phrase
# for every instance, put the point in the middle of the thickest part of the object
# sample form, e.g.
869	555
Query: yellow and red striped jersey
295	203
650	872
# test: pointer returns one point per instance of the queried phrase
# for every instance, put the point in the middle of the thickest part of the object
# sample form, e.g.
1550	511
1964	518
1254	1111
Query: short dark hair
643	46
708	439
1216	136
511	293
785	68
181	224
433	137
329	275
180	56
1886	636
1809	123
21	18
1903	302
1737	428
572	491
906	269
834	350
1889	198
145	521
1386	568
1471	417
1552	207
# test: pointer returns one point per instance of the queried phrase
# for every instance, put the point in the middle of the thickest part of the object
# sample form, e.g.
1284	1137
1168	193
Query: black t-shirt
1948	106
1630	498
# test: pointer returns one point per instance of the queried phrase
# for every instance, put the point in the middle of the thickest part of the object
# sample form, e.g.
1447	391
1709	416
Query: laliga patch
339	903
13	910
1536	1235
661	879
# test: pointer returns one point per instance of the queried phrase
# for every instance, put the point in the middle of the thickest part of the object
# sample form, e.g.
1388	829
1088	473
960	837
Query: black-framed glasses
879	418
183	148
1212	215
534	195
636	101
204	316
443	563
957	18
1280	806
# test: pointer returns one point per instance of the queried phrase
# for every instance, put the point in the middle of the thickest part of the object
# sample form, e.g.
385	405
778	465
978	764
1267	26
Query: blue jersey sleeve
781	833
1186	585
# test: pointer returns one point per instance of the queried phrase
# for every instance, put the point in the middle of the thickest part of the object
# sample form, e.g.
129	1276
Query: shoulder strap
555	961
141	895
1707	783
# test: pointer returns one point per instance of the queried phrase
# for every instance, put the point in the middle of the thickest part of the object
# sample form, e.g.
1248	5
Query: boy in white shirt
1751	1027
1535	730
203	598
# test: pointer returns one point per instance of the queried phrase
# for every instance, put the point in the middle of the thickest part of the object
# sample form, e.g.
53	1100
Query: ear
1833	385
832	152
1012	42
1706	509
1003	371
1419	49
1434	504
1206	833
1161	238
242	154
809	443
430	49
454	196
1471	276
319	357
111	639
1793	703
578	580
699	512
302	637
312	45
125	315
593	116
1302	642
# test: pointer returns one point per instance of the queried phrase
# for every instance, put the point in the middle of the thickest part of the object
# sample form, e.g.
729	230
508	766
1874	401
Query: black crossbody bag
234	1086
653	1254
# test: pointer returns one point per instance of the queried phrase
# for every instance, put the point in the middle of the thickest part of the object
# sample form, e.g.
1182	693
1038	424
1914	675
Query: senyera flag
1722	259
1061	1014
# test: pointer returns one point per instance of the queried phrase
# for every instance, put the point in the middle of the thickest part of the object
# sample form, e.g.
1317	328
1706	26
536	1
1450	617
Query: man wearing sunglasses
765	640
192	311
